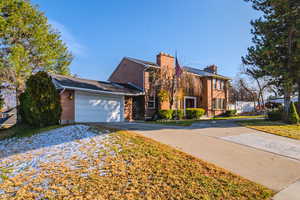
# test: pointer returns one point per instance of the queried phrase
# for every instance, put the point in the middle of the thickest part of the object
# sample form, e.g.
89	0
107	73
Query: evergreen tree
28	44
40	103
276	38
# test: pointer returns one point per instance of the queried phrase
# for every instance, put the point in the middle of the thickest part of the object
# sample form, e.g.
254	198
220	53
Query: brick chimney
165	60
211	69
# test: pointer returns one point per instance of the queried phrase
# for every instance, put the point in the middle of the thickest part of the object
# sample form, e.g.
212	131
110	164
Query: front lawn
189	122
277	128
130	166
184	122
240	117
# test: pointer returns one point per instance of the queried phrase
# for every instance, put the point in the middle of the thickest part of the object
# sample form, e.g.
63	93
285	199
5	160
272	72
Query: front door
189	103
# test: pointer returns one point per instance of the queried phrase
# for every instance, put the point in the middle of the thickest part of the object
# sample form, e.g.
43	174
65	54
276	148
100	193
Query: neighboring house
85	100
207	90
8	93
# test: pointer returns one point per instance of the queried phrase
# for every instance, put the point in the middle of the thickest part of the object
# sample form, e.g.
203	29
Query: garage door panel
98	108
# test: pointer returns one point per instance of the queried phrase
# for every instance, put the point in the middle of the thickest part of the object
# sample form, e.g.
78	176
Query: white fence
242	106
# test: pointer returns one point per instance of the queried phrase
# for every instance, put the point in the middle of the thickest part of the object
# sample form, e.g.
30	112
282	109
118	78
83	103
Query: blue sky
101	33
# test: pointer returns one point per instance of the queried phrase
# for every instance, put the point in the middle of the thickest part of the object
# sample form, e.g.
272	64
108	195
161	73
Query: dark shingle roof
203	73
101	86
189	69
143	62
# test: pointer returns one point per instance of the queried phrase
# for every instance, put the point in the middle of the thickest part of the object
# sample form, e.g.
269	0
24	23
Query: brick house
129	95
206	88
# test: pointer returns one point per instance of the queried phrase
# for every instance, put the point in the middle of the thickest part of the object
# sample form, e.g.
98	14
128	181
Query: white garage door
98	108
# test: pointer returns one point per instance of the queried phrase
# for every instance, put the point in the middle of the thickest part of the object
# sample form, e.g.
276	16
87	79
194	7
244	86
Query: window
151	102
214	104
222	85
218	104
215	83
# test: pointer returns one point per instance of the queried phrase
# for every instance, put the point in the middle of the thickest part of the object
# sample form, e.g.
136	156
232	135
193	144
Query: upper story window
215	83
222	85
151	102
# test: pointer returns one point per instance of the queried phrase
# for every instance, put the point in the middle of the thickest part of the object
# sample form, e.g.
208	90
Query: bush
275	115
178	114
40	103
194	113
230	113
293	115
165	114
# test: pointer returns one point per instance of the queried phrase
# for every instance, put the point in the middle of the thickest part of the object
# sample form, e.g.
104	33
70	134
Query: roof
189	69
68	82
143	62
203	73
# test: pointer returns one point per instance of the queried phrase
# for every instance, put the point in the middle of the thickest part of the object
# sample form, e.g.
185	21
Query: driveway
267	159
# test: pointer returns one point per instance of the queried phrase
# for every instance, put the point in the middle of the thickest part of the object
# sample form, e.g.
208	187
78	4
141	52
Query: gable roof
68	82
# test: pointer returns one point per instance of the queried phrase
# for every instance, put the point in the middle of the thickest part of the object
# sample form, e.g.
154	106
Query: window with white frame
222	85
215	83
151	102
218	104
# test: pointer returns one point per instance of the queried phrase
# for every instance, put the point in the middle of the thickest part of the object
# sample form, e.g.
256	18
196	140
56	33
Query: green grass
23	130
185	122
189	122
239	117
277	127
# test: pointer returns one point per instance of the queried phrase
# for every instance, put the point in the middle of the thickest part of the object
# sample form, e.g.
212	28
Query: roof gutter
102	92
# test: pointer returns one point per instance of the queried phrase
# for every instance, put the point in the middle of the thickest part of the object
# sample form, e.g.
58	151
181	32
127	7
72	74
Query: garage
84	100
91	107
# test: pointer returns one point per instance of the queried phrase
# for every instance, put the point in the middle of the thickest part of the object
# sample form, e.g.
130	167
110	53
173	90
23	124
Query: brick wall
128	108
68	107
128	71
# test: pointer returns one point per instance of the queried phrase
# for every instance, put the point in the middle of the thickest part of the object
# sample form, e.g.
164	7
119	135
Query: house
128	93
206	89
8	93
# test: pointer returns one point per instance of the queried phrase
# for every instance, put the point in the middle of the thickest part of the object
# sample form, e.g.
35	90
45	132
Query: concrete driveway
267	159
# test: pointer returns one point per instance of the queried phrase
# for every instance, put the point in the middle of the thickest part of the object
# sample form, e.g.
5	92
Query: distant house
8	93
126	95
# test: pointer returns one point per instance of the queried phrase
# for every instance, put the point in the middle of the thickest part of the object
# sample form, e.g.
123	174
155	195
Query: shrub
230	113
40	103
293	115
165	114
178	114
275	115
194	113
